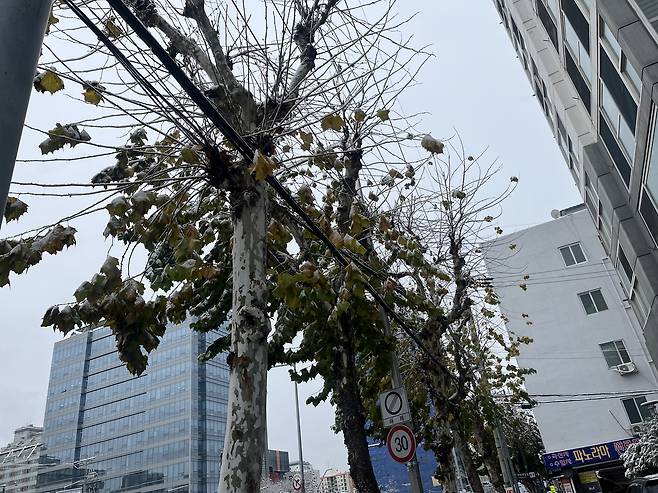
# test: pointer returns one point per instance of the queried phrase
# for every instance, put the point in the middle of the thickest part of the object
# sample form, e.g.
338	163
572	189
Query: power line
234	138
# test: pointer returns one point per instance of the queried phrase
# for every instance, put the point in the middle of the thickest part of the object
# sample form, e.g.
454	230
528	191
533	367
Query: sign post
394	407
401	443
297	482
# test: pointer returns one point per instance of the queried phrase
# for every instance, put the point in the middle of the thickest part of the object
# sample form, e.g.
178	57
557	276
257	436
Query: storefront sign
584	456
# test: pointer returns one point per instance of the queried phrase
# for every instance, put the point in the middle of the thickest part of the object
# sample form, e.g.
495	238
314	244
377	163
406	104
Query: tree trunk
351	412
469	466
244	442
488	452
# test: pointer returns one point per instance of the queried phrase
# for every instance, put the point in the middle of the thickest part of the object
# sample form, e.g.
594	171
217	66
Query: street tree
310	88
641	458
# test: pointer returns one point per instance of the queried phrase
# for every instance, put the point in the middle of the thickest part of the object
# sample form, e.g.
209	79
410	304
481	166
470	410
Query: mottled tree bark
246	420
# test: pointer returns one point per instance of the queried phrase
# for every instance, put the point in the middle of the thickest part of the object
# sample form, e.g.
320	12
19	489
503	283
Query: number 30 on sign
401	443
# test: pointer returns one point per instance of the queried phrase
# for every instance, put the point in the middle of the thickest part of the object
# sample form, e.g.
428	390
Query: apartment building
593	65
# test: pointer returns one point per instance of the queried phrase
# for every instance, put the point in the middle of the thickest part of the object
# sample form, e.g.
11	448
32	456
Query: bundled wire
232	136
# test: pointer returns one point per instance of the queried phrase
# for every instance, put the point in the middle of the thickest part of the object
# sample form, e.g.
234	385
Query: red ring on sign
412	443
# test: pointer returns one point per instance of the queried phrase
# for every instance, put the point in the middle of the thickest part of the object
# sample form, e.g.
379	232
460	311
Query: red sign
401	443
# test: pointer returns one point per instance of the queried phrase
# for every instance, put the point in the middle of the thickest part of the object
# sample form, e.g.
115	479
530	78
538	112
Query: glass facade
109	431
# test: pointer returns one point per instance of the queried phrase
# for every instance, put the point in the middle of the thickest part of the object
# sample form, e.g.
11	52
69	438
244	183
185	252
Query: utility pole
22	28
509	478
299	435
396	377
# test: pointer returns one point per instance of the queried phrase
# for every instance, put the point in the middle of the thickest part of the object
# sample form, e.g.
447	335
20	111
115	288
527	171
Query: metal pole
22	27
396	377
504	458
299	435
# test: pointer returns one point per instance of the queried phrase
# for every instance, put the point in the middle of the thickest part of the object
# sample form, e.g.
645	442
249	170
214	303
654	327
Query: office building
593	65
393	477
336	482
19	460
594	377
278	464
106	430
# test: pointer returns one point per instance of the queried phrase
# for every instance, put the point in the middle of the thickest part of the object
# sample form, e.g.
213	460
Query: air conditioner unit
638	428
626	368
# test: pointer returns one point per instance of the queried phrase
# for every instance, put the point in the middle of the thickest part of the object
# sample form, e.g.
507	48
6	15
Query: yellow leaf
383	115
359	115
262	166
112	29
51	21
48	82
92	96
333	122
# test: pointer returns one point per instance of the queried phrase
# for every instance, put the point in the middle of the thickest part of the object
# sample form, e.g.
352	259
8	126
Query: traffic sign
401	443
297	482
394	407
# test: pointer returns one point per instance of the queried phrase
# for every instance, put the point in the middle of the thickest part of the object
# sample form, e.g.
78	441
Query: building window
615	353
548	20
609	40
572	254
637	413
579	53
622	132
593	301
632	75
649	196
627	276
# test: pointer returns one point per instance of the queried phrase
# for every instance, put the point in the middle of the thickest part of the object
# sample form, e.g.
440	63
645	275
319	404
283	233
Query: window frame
594	304
619	354
652	142
632	281
619	60
570	247
638	408
576	57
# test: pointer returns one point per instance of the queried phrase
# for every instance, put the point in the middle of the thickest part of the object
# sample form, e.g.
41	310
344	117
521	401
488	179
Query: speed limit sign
401	443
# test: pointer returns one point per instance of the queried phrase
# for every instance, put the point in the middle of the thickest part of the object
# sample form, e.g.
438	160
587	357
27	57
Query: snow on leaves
18	255
14	208
431	144
61	135
48	81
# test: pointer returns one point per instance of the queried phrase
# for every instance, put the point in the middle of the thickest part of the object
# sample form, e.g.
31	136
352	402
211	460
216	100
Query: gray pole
504	458
299	436
396	377
22	27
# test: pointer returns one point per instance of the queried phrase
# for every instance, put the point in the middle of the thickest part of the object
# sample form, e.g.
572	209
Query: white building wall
565	352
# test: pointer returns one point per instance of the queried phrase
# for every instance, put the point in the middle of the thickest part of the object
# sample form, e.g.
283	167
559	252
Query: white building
19	461
593	66
338	482
557	286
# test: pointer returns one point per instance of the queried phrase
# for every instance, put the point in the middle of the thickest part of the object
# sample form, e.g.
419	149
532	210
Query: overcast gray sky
474	85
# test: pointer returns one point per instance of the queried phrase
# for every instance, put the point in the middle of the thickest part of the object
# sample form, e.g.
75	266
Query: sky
473	85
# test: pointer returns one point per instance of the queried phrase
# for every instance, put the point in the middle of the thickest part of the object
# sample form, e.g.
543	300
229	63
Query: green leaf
48	81
14	208
61	135
307	140
383	115
190	156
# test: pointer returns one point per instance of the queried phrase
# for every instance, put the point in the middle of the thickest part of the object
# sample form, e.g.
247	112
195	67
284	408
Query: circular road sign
401	443
297	482
393	403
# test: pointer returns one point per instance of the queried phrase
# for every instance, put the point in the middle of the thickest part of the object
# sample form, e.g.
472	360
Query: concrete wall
565	352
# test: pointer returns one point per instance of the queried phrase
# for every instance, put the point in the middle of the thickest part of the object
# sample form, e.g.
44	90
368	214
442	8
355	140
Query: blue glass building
393	477
108	431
